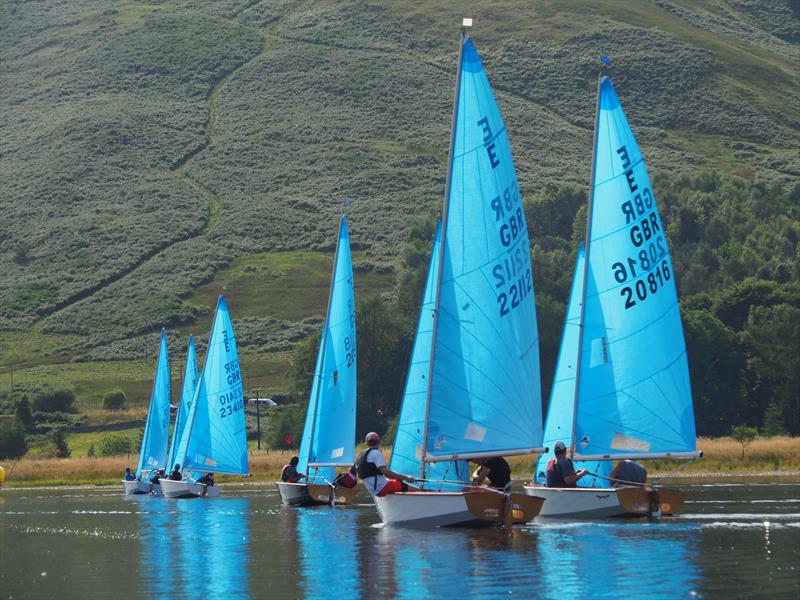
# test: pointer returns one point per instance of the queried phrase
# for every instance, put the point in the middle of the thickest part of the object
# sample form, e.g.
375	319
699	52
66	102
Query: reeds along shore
721	456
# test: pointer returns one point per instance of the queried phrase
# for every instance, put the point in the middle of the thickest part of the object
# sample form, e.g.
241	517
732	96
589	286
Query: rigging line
510	357
654	414
478	342
632	384
525	430
678	392
520	408
646	326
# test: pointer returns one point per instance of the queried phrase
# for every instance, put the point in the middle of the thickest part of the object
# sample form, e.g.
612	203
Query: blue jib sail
407	449
330	428
485	392
634	394
153	453
215	436
561	410
187	394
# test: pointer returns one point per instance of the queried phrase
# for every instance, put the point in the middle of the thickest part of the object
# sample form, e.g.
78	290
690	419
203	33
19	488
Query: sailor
289	472
373	471
159	474
496	469
128	475
207	479
628	472
560	470
176	474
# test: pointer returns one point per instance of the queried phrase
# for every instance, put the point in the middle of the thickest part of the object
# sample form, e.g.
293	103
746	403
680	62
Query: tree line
734	247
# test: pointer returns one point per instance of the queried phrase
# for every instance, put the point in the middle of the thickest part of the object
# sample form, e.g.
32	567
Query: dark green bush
24	414
114	445
114	401
12	439
60	444
55	401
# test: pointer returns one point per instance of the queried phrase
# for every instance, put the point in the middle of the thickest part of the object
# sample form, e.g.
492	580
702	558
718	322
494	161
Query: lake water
735	540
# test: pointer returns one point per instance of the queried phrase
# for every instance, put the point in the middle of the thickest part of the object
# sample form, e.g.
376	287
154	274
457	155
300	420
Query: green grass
79	442
282	285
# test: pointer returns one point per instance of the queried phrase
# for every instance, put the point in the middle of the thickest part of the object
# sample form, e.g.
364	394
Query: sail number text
349	342
511	273
648	268
231	401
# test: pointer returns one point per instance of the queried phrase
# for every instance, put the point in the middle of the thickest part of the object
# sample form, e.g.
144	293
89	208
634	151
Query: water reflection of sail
328	553
435	564
668	554
214	549
156	549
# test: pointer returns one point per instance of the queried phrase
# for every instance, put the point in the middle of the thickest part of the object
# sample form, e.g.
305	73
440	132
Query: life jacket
367	469
346	480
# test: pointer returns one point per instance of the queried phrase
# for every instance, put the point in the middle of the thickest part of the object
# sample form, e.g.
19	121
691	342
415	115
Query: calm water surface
736	540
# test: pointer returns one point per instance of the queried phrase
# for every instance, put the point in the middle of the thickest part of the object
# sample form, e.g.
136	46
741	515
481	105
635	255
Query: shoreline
768	476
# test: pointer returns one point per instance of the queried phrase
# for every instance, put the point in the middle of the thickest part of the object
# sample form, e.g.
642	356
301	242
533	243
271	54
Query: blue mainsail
330	428
215	436
187	394
153	453
485	395
407	450
634	397
561	410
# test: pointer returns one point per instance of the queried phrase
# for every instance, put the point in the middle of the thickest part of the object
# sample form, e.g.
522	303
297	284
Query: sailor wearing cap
377	477
560	470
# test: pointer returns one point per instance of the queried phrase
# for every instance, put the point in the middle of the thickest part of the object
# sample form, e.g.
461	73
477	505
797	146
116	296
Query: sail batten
633	394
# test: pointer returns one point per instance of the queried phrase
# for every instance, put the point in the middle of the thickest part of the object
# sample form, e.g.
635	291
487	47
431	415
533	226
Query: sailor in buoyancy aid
377	477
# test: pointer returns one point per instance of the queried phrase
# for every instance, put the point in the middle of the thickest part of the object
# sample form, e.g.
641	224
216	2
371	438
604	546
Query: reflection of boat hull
137	487
304	494
447	509
598	503
187	489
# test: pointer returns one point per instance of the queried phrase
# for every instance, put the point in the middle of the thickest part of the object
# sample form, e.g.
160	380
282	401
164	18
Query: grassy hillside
156	153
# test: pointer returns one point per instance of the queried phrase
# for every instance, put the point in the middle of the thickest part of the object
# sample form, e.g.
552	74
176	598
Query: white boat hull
447	509
188	489
303	494
600	503
137	486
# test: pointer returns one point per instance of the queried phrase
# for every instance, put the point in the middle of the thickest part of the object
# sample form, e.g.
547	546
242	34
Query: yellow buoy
2	475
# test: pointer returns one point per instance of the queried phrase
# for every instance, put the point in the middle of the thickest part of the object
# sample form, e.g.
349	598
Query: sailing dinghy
153	453
330	427
214	439
481	391
632	398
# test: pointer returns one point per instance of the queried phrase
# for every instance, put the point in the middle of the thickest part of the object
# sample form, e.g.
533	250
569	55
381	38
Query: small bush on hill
55	401
114	400
114	445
